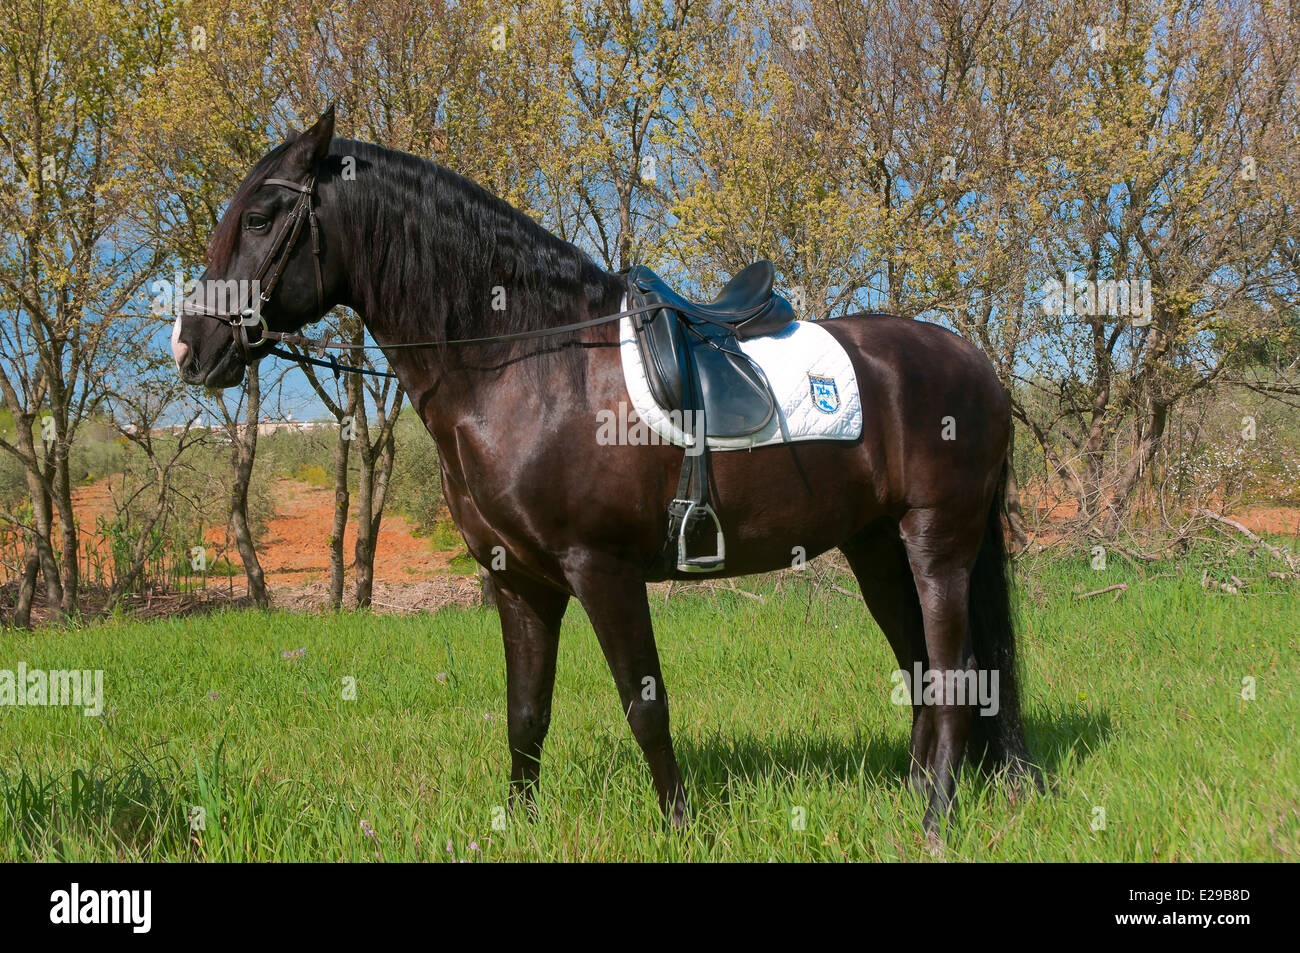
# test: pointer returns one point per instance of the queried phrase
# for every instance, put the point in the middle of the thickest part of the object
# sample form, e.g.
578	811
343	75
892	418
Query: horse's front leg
530	624
614	596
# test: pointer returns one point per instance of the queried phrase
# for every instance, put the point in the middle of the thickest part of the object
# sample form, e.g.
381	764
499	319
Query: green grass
1133	705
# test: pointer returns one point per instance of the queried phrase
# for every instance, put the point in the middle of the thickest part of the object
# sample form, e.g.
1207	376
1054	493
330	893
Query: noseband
270	270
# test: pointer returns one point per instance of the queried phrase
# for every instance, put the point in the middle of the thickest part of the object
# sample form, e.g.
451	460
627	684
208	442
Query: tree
74	206
1164	167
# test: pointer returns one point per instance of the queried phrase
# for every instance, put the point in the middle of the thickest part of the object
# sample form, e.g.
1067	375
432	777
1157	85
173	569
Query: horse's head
269	265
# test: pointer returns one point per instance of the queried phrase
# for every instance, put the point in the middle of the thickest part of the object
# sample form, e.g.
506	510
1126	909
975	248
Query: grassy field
1134	706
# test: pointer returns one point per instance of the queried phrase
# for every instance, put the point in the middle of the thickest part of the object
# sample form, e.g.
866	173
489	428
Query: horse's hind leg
941	550
879	561
530	625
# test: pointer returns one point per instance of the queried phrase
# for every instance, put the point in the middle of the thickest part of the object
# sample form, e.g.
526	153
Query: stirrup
698	511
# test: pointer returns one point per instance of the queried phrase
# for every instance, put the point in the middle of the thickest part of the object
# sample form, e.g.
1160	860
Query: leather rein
272	267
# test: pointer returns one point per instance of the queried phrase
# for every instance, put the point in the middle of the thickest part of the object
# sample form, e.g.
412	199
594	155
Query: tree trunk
372	488
364	563
383	474
71	569
27	590
243	455
342	453
42	519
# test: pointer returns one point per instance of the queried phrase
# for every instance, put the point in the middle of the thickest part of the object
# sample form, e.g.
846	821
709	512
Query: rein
321	345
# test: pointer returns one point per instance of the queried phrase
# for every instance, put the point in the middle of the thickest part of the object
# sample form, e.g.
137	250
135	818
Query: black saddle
696	369
684	341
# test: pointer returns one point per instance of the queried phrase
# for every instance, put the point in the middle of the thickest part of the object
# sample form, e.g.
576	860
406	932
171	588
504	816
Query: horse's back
915	351
942	413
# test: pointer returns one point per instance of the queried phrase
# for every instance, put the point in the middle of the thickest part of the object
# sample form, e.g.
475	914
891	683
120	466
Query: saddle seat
689	349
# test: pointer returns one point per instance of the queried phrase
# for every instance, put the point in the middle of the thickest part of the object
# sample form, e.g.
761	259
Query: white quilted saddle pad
811	376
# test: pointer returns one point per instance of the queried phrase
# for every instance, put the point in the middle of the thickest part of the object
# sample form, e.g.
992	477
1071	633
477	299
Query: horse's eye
255	222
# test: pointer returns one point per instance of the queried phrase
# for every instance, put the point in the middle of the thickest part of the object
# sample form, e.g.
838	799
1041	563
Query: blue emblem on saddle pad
825	395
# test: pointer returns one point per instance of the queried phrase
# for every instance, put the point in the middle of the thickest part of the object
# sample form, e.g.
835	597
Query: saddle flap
733	392
660	339
724	384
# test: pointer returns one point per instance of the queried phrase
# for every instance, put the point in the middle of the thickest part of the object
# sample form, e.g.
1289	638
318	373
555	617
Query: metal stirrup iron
685	515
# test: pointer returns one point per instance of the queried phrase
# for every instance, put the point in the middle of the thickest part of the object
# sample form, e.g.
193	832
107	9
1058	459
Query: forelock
222	244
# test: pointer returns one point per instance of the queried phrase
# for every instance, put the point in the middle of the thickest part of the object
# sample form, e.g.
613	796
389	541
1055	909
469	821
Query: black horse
423	255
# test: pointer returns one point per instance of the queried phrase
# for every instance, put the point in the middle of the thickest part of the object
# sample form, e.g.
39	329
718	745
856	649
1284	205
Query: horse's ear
311	147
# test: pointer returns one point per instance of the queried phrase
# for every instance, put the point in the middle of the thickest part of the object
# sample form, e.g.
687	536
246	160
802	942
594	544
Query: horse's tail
998	740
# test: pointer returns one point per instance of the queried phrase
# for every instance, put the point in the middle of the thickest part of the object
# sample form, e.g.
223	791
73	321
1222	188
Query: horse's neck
448	381
428	377
449	385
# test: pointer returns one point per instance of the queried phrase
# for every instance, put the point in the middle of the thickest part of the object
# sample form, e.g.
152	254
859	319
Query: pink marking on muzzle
180	350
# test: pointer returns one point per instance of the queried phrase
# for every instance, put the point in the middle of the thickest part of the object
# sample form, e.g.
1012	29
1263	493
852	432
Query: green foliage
122	537
13	485
464	564
303	455
445	536
314	474
97	452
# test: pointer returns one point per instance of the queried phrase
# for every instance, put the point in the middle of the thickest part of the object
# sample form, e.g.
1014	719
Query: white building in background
263	426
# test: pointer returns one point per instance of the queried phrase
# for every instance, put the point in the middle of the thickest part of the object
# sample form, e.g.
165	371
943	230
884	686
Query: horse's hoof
934	843
679	818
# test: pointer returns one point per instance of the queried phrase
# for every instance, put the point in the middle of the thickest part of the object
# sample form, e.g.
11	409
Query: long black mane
439	246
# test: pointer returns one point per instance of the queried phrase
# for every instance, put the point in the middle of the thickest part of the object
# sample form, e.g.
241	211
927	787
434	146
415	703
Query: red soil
296	546
295	549
410	573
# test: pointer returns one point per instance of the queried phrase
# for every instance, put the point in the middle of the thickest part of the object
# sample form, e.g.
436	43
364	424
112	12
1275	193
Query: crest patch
825	394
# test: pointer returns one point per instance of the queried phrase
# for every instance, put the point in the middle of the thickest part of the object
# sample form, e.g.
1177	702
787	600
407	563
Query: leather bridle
268	274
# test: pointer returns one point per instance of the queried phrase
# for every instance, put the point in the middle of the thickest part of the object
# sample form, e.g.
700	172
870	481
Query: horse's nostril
180	351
